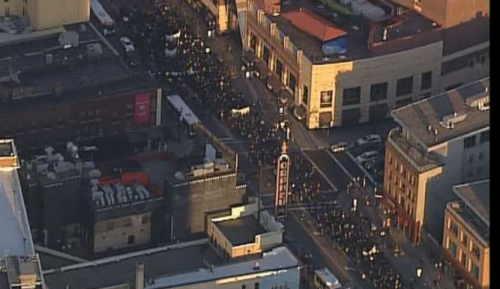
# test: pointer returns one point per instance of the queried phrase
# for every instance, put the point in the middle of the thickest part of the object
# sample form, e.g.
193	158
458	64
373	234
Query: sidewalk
413	256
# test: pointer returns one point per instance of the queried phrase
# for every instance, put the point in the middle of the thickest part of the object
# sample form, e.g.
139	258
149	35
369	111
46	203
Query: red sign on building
142	108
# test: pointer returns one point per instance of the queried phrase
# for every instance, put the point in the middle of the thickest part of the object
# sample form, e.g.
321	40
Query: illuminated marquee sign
282	185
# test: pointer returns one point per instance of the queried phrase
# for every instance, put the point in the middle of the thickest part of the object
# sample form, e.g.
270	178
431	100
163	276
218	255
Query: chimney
139	275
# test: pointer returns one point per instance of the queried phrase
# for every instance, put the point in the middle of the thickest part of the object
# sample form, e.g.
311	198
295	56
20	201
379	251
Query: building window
453	249
484	137
465	239
265	54
292	82
305	95
480	156
483	59
454	229
463	259
145	219
279	69
426	82
131	240
479	171
378	91
404	86
475	272
476	251
325	99
243	286
471	159
110	226
128	222
403	102
351	96
471	63
128	125
470	142
257	285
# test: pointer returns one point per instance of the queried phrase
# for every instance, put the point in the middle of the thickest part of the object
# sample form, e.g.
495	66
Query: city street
255	138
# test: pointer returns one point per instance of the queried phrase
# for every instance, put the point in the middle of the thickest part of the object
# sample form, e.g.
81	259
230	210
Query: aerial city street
253	144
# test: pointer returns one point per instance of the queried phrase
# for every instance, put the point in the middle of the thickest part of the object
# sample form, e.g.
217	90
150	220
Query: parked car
132	58
370	139
340	147
127	44
375	164
367	156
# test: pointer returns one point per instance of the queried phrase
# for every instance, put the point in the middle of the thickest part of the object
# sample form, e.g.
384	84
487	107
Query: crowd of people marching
189	65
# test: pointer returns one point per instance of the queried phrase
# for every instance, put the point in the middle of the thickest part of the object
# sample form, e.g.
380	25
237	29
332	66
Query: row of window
465	262
471	141
127	223
378	91
464	238
255	286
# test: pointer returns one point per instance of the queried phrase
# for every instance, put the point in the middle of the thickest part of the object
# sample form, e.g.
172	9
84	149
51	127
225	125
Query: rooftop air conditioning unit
451	120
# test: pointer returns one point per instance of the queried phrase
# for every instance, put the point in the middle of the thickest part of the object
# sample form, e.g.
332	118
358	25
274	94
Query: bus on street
106	23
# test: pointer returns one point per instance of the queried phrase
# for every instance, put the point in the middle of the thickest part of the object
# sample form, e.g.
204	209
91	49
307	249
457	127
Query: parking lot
368	157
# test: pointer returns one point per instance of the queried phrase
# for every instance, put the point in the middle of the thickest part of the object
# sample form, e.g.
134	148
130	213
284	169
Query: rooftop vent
451	120
480	101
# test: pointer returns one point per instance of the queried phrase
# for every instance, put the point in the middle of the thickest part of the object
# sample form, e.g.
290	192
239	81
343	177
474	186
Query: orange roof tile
314	25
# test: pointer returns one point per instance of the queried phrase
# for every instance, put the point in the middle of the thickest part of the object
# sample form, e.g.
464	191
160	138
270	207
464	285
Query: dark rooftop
6	149
418	117
79	72
121	269
49	261
477	197
242	230
400	33
100	88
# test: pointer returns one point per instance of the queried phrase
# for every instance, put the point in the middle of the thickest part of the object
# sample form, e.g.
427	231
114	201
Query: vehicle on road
367	156
324	279
375	164
106	23
132	58
127	44
370	139
340	147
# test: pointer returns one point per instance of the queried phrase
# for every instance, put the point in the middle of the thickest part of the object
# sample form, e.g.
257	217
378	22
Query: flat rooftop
174	259
413	152
15	234
401	27
242	230
477	197
27	80
418	117
277	261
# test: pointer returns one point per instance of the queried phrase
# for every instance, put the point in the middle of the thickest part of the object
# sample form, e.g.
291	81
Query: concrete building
19	264
242	233
466	236
109	205
357	69
80	93
42	15
448	13
442	141
184	265
121	212
50	183
200	185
